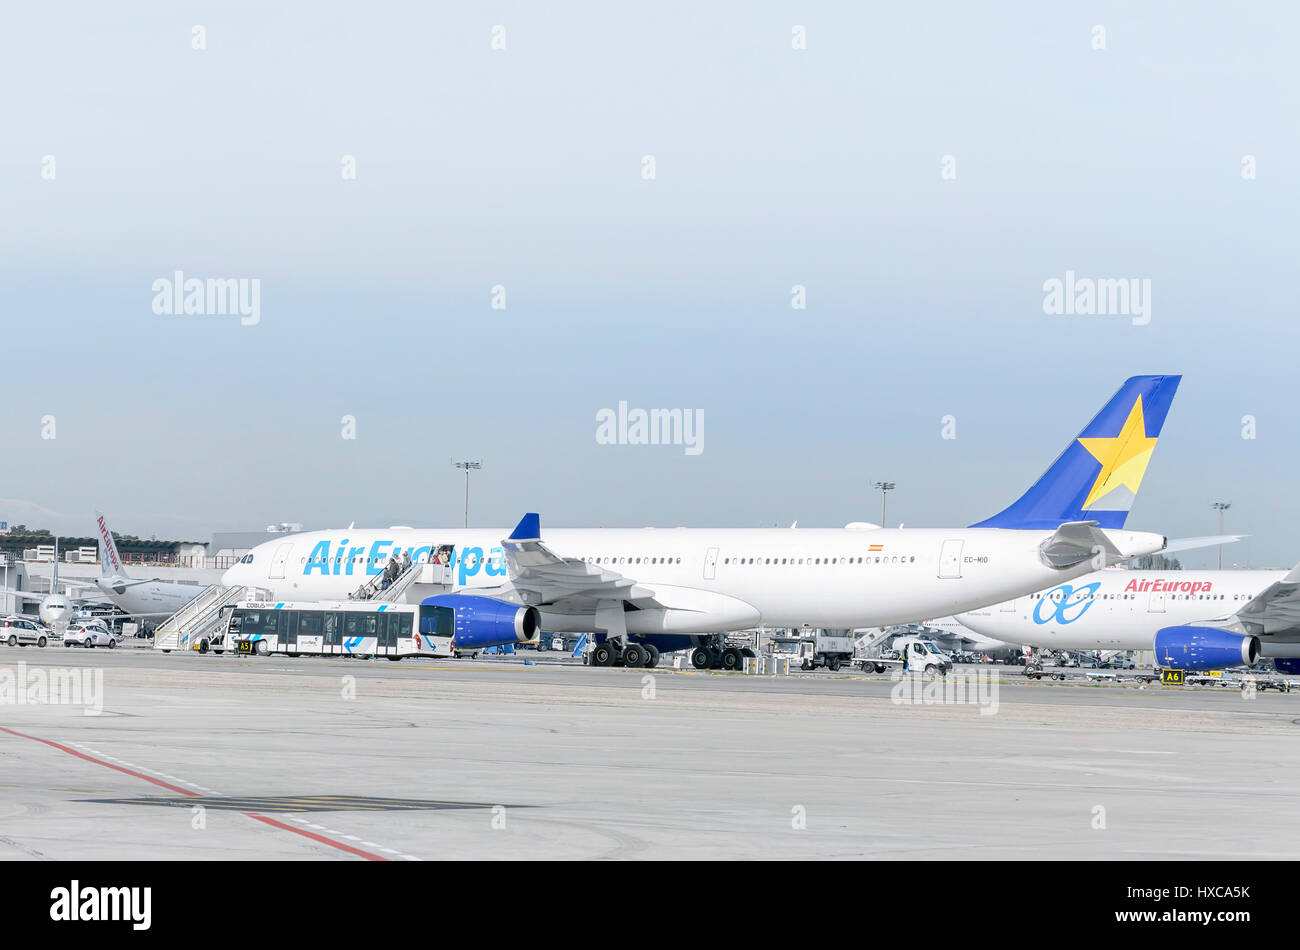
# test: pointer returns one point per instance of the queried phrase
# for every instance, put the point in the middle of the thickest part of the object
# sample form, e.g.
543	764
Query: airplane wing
1275	609
541	576
121	583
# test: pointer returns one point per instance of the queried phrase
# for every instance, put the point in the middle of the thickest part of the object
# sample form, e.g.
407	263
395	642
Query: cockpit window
246	559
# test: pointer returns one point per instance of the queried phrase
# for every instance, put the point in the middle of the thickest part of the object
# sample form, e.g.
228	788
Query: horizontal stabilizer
1206	541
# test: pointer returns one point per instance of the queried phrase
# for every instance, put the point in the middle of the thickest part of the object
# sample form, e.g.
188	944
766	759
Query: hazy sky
523	167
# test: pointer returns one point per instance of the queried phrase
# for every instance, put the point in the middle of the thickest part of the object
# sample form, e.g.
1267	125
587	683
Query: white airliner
646	590
138	598
55	610
1190	619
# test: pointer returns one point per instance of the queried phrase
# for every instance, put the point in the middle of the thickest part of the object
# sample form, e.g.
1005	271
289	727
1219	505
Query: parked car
88	635
19	631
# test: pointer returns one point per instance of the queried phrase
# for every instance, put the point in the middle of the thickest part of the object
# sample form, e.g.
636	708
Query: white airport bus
340	629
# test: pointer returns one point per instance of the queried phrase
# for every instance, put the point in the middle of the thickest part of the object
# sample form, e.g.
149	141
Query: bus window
310	623
360	625
289	626
436	621
400	624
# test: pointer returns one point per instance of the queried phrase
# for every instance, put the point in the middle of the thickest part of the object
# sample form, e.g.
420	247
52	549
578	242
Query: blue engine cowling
1203	648
487	622
1287	664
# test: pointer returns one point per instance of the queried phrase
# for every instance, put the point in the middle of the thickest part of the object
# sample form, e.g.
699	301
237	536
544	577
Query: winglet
528	529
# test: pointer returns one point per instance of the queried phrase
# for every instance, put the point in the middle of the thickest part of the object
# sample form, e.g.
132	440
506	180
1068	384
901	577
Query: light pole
467	466
1221	507
884	488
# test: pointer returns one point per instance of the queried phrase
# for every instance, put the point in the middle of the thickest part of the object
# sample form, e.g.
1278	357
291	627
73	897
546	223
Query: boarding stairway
419	572
198	619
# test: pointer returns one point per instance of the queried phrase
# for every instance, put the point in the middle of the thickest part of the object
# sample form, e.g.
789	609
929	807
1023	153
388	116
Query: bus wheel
261	648
393	658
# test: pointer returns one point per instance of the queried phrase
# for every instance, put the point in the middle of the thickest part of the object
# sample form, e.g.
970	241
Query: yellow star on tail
1123	457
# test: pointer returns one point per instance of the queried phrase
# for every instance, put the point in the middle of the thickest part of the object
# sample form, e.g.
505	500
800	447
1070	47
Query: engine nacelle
486	622
1203	648
1287	664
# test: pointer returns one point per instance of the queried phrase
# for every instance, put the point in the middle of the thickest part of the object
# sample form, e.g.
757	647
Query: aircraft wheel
633	655
731	659
652	656
701	658
603	655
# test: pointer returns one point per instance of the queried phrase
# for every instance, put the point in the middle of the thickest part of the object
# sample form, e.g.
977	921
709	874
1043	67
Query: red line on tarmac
315	837
110	765
185	791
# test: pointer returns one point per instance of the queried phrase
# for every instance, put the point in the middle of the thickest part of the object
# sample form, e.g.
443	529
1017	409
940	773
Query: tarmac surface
221	757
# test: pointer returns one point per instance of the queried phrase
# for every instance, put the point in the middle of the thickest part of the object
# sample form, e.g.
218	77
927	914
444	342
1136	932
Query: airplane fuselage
707	580
1121	609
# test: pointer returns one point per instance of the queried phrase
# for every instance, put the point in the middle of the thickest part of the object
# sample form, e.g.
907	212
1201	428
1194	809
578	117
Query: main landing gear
639	655
711	658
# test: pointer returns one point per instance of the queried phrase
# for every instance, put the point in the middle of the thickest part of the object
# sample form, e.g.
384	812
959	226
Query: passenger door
278	562
711	564
950	558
